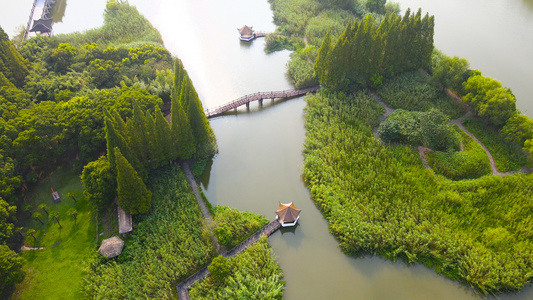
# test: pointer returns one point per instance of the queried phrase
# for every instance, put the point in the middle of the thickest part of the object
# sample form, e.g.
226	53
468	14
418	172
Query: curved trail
184	286
459	122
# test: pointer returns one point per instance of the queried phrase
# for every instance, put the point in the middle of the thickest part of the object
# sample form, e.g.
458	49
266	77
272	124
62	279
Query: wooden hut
246	33
287	214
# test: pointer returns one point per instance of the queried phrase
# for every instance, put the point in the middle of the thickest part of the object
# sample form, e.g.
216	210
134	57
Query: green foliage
133	196
507	155
231	227
219	269
470	163
122	24
275	42
368	48
380	199
518	129
419	128
376	6
10	267
61	58
99	183
333	21
7	215
412	91
253	274
167	246
490	99
300	69
292	16
449	72
13	68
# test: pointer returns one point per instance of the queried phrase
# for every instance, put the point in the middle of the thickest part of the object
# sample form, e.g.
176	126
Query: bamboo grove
367	51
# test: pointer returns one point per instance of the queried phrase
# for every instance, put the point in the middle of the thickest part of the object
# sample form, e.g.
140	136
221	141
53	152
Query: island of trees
366	172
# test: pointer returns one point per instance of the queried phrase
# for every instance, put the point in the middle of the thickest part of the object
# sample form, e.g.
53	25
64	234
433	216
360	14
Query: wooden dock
184	286
260	96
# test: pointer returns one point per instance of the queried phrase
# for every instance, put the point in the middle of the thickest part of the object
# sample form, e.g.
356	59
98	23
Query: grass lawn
56	271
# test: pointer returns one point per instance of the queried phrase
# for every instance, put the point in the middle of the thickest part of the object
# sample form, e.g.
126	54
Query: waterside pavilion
246	33
287	214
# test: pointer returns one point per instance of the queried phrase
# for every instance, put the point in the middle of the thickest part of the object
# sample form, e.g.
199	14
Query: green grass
412	91
56	272
507	156
471	163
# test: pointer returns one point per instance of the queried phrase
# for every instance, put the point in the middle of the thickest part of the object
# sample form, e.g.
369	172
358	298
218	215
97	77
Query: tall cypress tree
137	139
180	131
321	61
133	196
163	139
12	65
116	140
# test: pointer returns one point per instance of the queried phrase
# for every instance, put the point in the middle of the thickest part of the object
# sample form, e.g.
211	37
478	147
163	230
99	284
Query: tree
7	213
133	196
31	232
44	208
10	267
12	65
219	269
73	213
490	99
448	72
376	6
518	129
321	62
37	216
54	215
180	131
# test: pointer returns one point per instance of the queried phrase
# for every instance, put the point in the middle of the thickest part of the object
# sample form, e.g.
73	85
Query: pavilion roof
246	30
42	25
287	213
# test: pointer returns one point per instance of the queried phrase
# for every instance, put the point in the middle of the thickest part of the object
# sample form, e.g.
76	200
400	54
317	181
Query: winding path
459	122
184	286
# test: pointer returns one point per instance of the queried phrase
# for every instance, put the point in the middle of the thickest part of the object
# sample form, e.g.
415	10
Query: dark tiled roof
42	25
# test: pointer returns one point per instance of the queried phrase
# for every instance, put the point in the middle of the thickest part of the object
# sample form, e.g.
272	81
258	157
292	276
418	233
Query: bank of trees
367	51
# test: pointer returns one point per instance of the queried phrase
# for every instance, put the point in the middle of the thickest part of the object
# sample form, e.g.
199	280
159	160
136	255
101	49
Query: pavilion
287	214
43	26
246	33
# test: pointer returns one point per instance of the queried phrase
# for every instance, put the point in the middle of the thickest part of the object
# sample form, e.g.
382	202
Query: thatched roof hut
287	214
111	247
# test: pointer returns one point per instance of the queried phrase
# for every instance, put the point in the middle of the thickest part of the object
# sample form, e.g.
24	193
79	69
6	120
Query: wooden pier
260	96
184	286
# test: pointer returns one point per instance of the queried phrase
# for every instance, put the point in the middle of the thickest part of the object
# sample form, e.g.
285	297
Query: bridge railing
257	96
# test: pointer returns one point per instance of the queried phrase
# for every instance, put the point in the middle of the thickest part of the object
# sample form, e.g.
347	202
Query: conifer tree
136	134
163	139
12	65
133	196
321	62
180	131
151	141
115	139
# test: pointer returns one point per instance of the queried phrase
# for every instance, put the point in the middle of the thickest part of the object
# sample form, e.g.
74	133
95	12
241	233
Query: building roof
246	30
287	213
42	25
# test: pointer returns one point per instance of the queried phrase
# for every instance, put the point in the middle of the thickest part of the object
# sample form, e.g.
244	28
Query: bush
412	91
471	163
232	226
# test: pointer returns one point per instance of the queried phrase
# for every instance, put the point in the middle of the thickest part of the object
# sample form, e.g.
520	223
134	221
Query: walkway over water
184	286
245	100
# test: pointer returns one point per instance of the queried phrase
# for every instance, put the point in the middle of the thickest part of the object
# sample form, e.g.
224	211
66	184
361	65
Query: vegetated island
376	193
90	103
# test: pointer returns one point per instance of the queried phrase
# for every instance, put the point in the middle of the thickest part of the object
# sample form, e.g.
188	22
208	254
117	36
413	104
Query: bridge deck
184	286
245	100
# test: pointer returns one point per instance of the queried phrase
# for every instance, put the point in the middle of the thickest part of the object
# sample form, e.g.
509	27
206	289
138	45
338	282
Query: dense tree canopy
366	51
133	196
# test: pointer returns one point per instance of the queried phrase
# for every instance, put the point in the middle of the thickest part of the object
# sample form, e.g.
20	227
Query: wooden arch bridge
245	100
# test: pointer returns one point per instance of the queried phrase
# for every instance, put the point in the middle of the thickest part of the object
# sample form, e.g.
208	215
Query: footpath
184	286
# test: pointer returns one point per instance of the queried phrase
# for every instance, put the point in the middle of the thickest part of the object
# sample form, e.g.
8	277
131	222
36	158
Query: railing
257	96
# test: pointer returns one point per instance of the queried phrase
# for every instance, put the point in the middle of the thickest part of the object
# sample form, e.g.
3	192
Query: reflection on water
59	10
